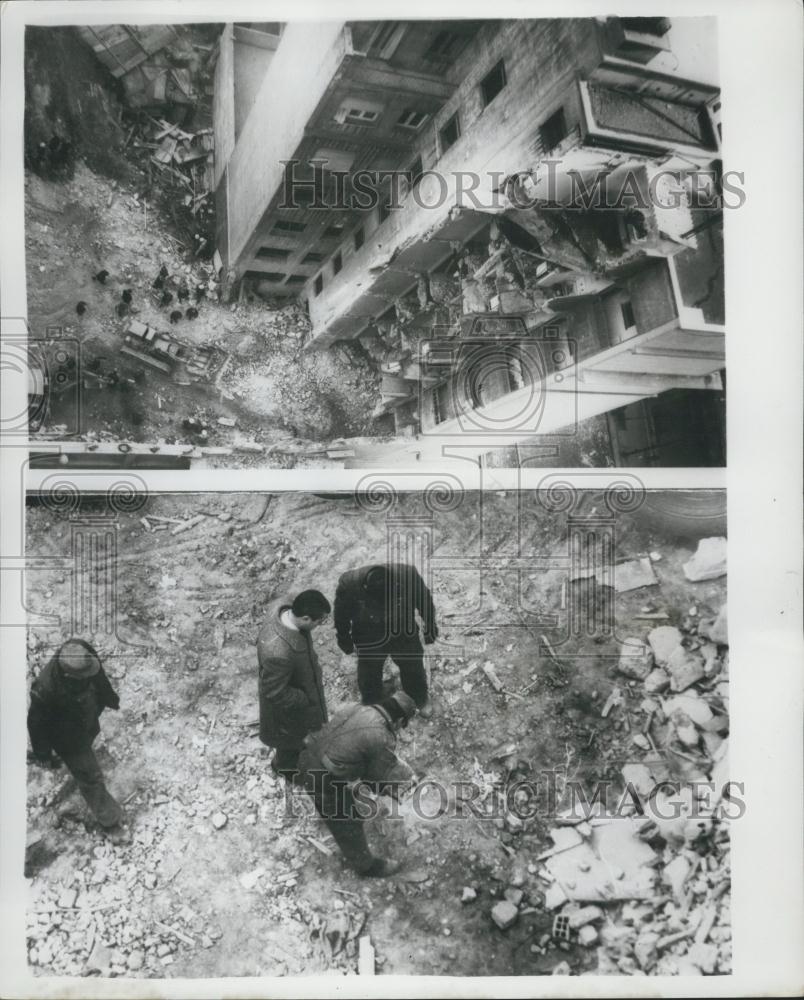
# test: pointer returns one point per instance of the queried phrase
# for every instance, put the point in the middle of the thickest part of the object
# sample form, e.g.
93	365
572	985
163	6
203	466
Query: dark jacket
61	721
291	690
359	744
368	619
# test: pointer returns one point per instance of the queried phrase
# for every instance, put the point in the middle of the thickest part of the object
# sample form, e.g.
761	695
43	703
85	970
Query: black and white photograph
439	733
376	243
393	599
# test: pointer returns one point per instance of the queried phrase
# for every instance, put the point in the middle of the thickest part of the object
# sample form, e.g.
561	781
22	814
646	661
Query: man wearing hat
375	616
290	686
357	746
67	699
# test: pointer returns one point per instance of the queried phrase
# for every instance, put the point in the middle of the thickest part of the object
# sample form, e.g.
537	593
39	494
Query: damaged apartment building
545	245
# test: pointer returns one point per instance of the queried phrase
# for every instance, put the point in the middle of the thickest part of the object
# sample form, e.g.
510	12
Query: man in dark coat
291	691
67	699
357	746
375	615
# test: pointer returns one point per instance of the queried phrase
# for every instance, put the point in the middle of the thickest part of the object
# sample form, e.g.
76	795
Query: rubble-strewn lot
222	877
274	392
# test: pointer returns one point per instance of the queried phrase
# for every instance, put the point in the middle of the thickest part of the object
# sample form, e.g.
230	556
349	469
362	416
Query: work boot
425	710
382	868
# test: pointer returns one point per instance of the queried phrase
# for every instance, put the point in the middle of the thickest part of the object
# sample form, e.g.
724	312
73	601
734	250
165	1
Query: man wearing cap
290	687
67	699
357	746
375	610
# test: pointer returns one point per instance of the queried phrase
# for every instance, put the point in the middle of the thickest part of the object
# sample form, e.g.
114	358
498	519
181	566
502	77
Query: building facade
406	178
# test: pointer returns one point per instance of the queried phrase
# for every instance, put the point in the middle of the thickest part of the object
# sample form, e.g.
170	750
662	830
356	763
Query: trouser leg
334	802
286	763
84	767
409	657
369	676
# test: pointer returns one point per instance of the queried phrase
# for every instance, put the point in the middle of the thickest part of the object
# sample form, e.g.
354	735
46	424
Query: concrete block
709	561
635	659
587	936
685	668
504	914
658	680
663	642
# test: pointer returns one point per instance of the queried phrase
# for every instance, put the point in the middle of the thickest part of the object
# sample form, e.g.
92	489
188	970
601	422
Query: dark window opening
359	237
313	258
286	226
268	275
553	130
450	133
272	253
337	262
318	287
628	314
412	119
492	83
335	231
296	279
646	25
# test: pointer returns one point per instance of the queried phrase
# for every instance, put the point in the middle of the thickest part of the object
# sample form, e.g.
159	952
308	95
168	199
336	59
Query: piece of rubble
587	936
658	680
675	875
691	704
219	820
639	777
514	896
468	894
365	957
635	659
664	640
135	960
100	958
504	914
249	879
709	561
586	915
615	864
645	949
716	629
67	898
705	956
554	897
634	574
685	668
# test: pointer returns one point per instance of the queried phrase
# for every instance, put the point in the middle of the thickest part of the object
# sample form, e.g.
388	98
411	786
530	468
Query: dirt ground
222	877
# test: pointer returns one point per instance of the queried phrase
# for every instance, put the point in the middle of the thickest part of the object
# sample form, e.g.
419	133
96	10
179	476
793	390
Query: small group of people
375	616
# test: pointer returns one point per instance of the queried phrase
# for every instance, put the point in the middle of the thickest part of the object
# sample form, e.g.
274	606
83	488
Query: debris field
225	873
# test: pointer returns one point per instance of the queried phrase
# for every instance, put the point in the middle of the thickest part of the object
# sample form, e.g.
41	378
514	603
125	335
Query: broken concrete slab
709	561
685	668
633	575
635	660
663	642
675	875
615	865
